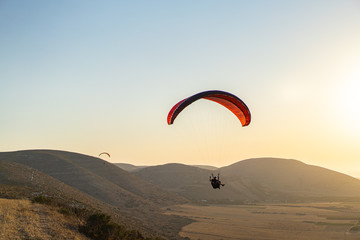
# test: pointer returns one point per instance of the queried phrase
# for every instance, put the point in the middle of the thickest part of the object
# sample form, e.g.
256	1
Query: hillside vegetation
86	182
21	219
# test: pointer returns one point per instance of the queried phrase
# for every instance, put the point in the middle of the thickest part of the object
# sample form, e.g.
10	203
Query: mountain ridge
137	198
259	179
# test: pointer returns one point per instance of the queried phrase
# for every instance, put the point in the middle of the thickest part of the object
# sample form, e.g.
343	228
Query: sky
95	76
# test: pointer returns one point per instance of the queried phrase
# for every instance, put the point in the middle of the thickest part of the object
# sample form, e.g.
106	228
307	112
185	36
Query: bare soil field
21	219
310	221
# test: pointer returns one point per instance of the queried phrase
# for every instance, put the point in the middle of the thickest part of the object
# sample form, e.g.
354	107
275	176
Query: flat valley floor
305	221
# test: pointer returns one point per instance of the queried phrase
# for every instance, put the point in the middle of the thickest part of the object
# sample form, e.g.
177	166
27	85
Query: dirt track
20	219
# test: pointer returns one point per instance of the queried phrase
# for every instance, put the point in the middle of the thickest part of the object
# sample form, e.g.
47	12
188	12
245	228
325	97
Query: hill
208	167
188	181
132	168
129	167
262	179
93	182
287	179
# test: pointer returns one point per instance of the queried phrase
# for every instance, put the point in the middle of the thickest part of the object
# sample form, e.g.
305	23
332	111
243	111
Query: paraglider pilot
215	182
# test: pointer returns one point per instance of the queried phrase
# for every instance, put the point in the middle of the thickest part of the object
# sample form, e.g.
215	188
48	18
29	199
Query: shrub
64	211
42	200
99	226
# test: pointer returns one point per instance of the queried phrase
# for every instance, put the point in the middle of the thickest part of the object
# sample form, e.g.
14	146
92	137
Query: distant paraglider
105	154
228	100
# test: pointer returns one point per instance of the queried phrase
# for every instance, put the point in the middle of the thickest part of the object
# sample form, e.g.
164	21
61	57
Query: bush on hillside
100	226
42	200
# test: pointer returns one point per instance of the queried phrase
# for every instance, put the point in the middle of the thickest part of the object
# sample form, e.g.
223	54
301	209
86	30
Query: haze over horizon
90	77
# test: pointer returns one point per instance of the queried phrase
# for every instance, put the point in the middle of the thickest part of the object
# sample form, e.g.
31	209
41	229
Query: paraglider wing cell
228	100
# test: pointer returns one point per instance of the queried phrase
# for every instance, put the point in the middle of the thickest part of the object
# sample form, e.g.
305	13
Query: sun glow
348	102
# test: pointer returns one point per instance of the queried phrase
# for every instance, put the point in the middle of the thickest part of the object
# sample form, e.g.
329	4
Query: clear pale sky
95	76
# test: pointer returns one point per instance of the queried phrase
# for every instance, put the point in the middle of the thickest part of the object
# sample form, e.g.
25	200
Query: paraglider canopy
104	153
228	100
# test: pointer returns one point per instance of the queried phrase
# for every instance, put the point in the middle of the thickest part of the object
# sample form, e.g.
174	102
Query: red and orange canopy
228	100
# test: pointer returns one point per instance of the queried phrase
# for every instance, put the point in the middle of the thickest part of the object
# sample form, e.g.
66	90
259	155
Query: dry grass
315	221
88	182
21	219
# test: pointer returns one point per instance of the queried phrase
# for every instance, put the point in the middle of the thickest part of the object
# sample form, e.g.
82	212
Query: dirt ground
306	221
21	219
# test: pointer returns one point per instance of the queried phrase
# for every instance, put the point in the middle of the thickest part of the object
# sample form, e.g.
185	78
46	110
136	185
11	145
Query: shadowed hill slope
188	181
273	178
94	176
138	201
262	179
20	181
